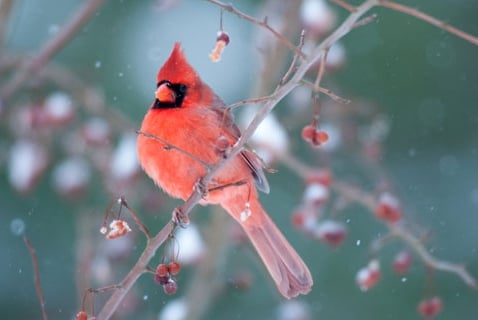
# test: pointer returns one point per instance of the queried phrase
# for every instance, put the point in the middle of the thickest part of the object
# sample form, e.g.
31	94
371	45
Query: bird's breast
177	147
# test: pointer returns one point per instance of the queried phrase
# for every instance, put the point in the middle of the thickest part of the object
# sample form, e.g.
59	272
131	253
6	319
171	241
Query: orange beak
165	94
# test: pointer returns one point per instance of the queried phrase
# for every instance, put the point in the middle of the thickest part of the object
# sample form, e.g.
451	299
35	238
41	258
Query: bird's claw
200	188
180	219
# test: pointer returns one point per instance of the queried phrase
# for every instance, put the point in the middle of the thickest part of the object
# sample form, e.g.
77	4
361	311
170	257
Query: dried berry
170	287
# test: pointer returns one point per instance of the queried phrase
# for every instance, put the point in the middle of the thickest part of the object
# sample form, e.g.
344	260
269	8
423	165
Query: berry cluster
309	218
163	276
314	136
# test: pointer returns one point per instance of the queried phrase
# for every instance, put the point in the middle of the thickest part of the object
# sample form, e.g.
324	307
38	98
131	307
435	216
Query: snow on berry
429	308
388	208
368	276
331	232
27	161
316	194
402	262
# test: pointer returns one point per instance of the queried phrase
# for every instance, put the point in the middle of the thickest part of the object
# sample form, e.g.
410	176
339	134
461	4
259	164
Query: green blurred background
424	80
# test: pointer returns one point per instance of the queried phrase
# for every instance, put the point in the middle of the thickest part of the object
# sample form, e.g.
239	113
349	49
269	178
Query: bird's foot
179	218
201	189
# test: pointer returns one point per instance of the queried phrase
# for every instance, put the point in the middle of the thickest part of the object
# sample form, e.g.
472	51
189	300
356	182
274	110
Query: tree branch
431	20
138	269
36	274
263	23
37	62
398	230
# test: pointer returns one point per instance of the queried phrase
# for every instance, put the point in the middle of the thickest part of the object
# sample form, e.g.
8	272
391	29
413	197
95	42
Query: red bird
190	117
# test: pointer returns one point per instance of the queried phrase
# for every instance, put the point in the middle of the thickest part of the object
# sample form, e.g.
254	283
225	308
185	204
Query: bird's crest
177	69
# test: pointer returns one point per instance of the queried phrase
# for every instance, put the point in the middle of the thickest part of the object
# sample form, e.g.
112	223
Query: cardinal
187	130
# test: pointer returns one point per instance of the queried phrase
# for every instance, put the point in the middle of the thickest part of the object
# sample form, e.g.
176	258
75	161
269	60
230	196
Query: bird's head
178	84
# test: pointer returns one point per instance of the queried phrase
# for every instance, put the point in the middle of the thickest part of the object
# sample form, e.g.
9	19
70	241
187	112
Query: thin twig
172	146
320	73
85	93
356	195
366	20
36	274
94	291
327	92
318	79
344	5
431	20
5	10
292	66
136	218
261	23
429	260
248	101
138	269
398	230
37	62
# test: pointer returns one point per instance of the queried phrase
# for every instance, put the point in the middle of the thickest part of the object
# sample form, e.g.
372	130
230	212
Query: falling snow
17	226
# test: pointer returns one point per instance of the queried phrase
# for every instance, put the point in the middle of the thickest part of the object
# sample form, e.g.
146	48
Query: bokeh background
421	80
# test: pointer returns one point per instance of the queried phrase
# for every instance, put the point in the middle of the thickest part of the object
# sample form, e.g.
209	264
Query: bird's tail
289	272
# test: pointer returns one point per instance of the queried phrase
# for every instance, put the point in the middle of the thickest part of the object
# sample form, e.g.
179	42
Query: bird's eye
182	88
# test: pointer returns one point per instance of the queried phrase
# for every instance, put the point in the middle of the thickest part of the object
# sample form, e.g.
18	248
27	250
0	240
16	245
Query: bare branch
398	230
320	73
36	274
136	218
5	10
248	101
327	92
138	269
366	20
37	62
292	66
431	20
344	5
429	260
263	23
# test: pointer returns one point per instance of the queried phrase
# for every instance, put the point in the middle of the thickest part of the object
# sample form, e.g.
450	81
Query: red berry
298	219
170	287
331	232
316	194
162	280
174	267
402	262
305	219
223	36
388	208
321	136
368	276
431	307
82	315
323	177
314	136
308	132
162	270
